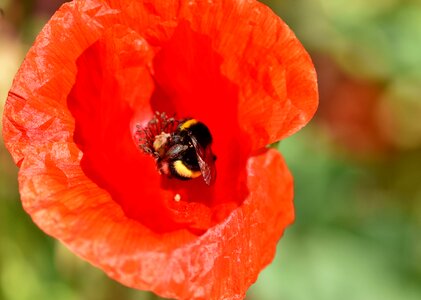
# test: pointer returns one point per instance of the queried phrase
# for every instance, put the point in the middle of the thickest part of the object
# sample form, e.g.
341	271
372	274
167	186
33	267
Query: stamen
154	136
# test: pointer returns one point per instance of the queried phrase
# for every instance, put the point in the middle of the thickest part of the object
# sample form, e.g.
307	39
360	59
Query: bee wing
175	150
206	160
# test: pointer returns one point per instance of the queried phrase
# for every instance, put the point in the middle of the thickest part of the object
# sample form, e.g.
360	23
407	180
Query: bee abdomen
180	170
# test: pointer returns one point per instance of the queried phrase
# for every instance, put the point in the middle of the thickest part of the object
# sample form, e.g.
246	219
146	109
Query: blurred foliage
354	237
357	166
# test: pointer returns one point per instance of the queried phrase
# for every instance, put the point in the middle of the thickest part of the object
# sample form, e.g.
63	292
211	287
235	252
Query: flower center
181	148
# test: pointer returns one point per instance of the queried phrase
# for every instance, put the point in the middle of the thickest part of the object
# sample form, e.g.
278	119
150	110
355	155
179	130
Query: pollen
177	197
160	141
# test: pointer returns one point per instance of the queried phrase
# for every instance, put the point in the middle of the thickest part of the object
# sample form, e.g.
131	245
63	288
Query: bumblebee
182	149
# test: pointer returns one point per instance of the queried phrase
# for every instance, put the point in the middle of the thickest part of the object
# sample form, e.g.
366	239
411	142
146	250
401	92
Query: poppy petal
274	74
276	79
180	264
36	108
113	86
233	65
270	79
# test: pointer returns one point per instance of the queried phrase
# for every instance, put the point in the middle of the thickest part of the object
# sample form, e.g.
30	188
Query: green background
357	166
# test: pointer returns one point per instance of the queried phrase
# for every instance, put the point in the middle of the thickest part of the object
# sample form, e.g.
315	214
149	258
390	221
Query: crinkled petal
36	109
109	99
178	264
232	64
250	46
275	76
276	81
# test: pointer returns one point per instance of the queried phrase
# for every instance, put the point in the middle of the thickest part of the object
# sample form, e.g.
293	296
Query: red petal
36	109
270	76
244	74
276	79
178	264
111	94
275	76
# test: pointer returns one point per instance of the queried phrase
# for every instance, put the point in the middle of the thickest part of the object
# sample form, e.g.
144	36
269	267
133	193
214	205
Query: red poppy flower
100	70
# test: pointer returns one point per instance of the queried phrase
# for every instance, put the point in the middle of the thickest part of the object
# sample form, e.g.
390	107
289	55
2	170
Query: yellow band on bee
183	171
188	124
